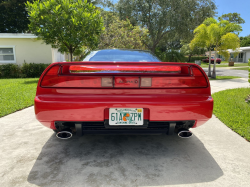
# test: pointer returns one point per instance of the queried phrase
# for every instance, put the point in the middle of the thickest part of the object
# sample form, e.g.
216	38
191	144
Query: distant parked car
218	60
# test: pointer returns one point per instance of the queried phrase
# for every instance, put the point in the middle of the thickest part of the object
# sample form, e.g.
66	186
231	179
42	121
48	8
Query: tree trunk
209	65
214	70
71	57
153	49
189	58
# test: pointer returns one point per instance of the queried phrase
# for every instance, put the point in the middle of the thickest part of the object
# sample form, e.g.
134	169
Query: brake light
197	80
53	71
124	69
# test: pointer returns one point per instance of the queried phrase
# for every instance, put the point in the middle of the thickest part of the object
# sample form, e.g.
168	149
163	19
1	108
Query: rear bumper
83	128
51	108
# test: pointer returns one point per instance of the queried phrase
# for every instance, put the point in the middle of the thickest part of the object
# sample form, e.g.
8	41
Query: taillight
196	80
53	71
53	79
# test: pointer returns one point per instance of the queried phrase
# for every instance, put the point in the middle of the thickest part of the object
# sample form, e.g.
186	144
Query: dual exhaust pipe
184	133
67	134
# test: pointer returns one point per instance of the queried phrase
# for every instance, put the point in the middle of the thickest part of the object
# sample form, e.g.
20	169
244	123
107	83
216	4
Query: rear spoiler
123	74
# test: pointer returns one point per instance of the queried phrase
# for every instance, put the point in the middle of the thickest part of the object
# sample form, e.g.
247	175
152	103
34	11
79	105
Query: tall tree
202	38
66	24
219	36
187	50
162	17
232	18
122	34
13	16
245	41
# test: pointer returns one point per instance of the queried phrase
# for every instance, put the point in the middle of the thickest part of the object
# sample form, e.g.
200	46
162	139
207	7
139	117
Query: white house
18	47
243	56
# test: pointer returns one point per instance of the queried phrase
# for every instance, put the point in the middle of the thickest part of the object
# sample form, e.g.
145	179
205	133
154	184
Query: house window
7	54
240	55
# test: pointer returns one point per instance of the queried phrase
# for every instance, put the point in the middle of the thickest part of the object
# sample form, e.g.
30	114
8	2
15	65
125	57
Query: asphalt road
31	155
229	72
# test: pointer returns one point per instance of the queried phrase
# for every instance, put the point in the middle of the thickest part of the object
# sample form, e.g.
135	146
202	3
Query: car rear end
218	60
123	97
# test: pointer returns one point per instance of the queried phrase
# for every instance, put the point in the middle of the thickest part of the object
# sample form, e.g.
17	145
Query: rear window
121	56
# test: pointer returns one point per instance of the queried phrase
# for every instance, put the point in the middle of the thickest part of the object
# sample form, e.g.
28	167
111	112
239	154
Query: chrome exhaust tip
64	135
185	133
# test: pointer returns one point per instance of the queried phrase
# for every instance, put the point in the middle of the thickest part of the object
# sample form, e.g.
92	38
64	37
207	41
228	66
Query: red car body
173	96
218	60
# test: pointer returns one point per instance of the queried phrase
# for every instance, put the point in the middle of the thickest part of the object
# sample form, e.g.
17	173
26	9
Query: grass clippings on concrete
232	109
245	68
224	77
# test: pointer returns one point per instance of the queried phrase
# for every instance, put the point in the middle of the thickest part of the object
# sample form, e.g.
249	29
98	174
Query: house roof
241	49
245	48
17	35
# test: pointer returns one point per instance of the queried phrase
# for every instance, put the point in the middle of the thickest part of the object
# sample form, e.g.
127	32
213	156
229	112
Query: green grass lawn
205	65
235	65
224	77
246	68
16	94
230	107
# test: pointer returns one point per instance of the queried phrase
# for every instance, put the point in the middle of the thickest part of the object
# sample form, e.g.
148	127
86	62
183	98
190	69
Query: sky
240	6
230	6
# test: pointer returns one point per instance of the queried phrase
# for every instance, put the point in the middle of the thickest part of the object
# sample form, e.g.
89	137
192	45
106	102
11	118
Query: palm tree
219	36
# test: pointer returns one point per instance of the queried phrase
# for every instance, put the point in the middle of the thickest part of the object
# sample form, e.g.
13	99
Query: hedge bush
170	56
27	70
176	56
10	71
193	58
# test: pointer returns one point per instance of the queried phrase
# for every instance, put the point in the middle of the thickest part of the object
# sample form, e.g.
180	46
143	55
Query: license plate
126	116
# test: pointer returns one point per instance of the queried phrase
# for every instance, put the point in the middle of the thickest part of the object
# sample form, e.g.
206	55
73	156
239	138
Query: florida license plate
126	116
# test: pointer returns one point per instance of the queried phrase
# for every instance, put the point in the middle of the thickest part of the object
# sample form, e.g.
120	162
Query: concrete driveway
229	72
31	155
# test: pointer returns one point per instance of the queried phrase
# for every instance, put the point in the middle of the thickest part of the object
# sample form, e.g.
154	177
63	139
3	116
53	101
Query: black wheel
218	62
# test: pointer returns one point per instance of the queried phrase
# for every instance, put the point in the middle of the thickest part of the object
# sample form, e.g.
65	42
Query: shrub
193	58
10	71
33	70
176	56
27	70
170	56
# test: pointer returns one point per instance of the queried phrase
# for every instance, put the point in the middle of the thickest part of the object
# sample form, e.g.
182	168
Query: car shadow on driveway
123	161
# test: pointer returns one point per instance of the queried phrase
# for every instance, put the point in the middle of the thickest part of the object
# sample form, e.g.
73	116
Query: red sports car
218	60
123	92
